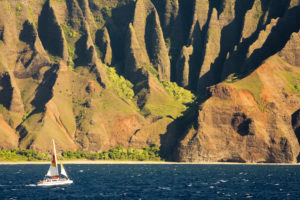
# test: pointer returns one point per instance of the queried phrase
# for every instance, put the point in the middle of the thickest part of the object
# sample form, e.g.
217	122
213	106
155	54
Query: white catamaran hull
54	182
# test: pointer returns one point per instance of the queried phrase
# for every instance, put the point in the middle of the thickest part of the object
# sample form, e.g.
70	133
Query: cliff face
249	120
95	74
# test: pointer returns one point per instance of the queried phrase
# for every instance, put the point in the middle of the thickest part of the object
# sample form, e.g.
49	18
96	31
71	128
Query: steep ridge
50	32
104	43
150	37
291	49
96	74
182	66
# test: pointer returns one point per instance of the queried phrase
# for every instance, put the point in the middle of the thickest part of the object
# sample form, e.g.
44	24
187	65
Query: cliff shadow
238	62
196	59
186	9
276	8
28	34
230	37
81	51
2	33
178	129
151	37
44	91
296	124
234	63
117	27
277	39
50	32
199	44
6	90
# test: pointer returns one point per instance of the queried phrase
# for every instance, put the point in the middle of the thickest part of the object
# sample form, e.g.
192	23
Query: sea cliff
204	80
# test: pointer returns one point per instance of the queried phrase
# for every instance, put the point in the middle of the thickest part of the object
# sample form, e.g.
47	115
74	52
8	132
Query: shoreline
99	162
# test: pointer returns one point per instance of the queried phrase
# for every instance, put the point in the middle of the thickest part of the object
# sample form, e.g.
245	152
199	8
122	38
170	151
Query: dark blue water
155	182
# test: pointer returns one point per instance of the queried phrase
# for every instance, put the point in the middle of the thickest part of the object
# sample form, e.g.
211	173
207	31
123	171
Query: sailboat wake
31	185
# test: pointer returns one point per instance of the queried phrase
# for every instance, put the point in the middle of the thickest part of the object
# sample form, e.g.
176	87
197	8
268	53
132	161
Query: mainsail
63	171
53	170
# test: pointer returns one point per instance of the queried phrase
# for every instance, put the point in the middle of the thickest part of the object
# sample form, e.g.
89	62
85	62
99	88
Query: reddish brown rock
234	126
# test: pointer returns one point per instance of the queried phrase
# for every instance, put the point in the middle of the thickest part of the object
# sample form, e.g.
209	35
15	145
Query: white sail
63	171
53	170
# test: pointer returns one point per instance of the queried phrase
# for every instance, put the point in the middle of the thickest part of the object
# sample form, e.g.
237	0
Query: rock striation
149	35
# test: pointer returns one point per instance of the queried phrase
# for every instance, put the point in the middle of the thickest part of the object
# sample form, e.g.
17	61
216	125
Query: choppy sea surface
139	181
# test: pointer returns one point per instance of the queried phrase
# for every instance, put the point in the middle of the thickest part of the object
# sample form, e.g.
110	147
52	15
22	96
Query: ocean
155	181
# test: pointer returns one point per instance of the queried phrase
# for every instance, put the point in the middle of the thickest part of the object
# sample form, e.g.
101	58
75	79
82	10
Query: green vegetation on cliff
118	153
22	155
71	37
119	84
150	69
180	94
166	99
293	81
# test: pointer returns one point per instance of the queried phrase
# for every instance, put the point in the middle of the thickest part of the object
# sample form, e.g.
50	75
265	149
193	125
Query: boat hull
55	182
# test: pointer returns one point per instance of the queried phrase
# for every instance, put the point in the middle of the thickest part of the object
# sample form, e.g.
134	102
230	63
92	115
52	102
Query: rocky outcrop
252	18
34	57
171	18
150	37
104	44
263	35
134	56
142	10
80	25
156	47
16	104
238	125
8	135
294	3
212	50
291	50
84	5
182	66
296	123
200	14
75	14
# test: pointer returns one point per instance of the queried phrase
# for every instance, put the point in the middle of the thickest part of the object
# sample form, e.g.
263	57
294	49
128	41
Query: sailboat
53	178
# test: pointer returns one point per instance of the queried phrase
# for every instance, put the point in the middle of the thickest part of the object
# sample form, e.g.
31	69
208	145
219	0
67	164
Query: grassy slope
289	74
252	84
